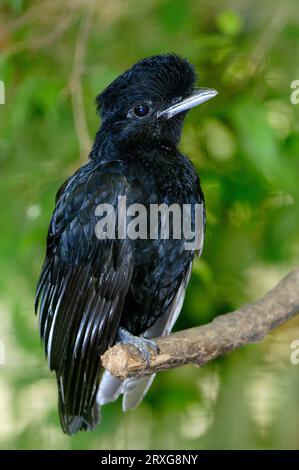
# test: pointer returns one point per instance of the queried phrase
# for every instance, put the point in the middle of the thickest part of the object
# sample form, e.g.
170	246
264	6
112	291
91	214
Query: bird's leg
142	344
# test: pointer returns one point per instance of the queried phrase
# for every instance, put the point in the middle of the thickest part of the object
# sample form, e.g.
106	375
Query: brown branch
200	345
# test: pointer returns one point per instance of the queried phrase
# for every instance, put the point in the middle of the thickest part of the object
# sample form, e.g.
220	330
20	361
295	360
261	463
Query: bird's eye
141	110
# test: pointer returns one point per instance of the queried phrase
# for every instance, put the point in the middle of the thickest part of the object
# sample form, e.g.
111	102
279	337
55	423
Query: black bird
94	292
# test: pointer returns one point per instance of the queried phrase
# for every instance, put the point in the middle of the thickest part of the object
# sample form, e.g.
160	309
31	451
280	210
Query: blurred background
54	58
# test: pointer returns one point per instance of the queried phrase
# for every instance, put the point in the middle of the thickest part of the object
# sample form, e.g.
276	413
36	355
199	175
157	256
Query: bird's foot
142	344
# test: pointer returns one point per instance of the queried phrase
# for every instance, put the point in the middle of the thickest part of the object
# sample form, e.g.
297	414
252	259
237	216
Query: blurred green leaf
229	22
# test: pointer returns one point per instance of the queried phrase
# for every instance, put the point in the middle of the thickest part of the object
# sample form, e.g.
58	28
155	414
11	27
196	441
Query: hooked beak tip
199	96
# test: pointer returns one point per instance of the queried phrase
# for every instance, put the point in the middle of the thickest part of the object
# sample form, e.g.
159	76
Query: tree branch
200	345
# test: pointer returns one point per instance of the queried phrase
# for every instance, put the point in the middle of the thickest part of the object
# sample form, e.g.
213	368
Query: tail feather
72	424
109	390
134	390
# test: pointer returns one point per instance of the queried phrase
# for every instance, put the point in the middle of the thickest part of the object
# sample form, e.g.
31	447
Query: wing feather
80	294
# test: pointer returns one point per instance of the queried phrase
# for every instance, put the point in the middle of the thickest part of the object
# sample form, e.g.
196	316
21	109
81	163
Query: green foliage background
55	57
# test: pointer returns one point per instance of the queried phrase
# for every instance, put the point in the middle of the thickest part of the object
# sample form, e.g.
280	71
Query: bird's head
150	100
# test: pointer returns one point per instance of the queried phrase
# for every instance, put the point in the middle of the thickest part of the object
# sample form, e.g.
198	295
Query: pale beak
199	96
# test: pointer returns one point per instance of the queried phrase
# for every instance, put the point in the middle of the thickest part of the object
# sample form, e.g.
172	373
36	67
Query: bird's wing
81	292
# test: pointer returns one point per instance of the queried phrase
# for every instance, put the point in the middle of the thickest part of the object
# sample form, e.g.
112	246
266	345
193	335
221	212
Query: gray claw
152	344
142	344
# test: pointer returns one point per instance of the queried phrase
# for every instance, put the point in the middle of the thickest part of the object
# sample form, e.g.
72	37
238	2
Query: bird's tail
133	390
73	423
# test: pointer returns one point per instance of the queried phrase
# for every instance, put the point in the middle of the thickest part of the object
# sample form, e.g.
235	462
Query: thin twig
75	80
45	40
200	345
270	34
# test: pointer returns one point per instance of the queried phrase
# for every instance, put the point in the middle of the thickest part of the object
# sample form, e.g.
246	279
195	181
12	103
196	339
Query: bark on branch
202	344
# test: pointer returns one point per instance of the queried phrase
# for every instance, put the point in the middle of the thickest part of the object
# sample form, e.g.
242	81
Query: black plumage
89	288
